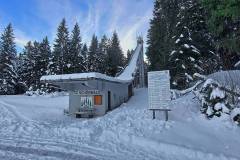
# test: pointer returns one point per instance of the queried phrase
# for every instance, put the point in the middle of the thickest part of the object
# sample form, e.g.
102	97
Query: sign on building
159	94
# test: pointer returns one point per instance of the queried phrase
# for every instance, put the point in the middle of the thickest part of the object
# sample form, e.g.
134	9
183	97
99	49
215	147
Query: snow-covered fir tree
192	45
93	54
103	50
84	54
25	71
8	76
45	54
162	27
61	49
115	57
75	58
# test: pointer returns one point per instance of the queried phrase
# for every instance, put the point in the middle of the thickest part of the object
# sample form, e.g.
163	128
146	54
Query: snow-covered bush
41	89
214	99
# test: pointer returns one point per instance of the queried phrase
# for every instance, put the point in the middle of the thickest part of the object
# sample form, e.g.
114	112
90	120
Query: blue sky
34	19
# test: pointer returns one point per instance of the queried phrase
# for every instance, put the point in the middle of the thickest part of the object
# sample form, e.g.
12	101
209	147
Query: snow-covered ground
35	128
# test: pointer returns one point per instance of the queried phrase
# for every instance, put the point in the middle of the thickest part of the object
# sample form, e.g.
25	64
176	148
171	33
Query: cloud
21	38
128	18
131	31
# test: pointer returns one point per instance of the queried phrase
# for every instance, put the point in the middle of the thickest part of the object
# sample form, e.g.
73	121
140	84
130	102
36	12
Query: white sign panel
159	94
86	102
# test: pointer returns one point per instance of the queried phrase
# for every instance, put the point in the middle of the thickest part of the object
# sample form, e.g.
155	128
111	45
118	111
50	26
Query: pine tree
129	55
162	27
115	57
103	50
25	71
84	53
45	51
75	51
192	47
93	54
61	49
8	76
223	20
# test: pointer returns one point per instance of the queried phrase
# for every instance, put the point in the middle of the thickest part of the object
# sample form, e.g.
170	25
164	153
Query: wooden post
166	115
153	114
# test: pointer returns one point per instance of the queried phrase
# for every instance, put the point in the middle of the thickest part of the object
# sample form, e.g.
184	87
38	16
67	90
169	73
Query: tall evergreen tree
75	59
84	53
192	47
162	27
93	54
223	20
8	76
45	51
115	57
129	55
103	50
61	49
25	71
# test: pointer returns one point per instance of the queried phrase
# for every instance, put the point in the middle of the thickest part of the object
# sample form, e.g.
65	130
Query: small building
94	94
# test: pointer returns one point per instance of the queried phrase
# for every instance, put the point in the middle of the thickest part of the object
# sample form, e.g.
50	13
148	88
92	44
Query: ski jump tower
140	64
134	70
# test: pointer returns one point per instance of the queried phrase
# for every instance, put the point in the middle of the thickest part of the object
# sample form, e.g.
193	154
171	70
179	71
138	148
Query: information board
159	95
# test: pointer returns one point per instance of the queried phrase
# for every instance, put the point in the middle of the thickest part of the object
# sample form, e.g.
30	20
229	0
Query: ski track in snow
124	133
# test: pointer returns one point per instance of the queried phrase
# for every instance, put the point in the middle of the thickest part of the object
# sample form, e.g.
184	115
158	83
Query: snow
35	128
221	106
217	93
235	112
189	76
172	53
80	76
183	66
192	59
178	23
177	41
237	64
196	51
186	46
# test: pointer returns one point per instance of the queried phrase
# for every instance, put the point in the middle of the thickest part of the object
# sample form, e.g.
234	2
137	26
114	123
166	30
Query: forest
185	37
21	72
194	36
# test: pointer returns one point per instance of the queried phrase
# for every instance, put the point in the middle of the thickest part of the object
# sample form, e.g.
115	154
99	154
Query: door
109	101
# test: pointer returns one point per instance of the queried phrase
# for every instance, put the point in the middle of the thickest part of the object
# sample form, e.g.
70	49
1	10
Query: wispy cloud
21	38
128	17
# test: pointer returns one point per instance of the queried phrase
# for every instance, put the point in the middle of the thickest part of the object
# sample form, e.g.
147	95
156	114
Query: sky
35	19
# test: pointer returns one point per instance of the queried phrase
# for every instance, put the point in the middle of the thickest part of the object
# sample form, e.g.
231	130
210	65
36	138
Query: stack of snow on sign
126	76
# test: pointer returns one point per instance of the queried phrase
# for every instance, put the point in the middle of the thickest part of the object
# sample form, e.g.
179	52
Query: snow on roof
80	76
125	77
129	71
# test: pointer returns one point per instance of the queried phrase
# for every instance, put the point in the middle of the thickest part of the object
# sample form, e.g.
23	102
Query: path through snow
35	128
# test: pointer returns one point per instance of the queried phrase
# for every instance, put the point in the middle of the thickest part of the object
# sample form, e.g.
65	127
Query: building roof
82	76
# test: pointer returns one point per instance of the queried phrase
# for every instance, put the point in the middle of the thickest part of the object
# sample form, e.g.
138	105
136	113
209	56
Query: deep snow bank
36	127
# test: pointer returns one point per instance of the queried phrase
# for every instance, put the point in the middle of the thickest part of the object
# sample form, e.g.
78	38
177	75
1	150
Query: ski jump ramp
94	93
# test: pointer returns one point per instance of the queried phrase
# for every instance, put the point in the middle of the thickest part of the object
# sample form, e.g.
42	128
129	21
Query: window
98	100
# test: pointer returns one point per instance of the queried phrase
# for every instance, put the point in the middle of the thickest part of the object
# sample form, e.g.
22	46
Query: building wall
119	94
